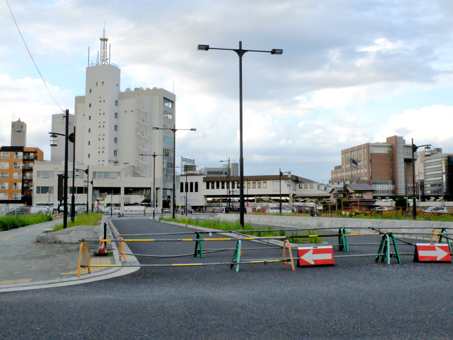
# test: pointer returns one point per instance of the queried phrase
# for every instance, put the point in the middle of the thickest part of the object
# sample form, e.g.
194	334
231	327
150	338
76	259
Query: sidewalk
22	260
26	264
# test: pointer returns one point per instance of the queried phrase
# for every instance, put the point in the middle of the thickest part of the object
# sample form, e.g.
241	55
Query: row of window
188	187
11	186
214	185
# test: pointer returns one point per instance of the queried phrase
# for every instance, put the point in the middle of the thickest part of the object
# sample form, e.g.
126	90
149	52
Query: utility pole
65	179
72	138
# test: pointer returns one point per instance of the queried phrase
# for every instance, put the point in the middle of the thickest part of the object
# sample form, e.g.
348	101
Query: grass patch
91	219
307	236
8	222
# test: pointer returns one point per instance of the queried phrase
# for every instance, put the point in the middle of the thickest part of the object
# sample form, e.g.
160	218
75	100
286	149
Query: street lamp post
153	189
414	198
280	177
240	52
72	138
53	135
174	130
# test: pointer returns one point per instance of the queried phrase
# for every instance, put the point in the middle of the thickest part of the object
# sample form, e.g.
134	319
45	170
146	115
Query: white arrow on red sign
437	252
315	256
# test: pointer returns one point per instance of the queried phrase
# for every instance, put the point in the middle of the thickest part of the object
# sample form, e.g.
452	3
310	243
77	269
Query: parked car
436	210
379	208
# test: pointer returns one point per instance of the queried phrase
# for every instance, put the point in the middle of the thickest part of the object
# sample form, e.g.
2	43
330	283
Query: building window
115	153
115	140
89	105
115	127
181	185
89	143
186	186
169	104
44	174
223	185
116	102
191	186
217	184
88	155
196	186
116	114
102	82
44	190
207	185
89	130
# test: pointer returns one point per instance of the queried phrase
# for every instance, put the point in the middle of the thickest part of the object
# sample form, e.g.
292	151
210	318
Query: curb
85	278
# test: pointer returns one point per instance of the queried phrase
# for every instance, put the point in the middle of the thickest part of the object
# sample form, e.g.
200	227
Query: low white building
201	191
104	185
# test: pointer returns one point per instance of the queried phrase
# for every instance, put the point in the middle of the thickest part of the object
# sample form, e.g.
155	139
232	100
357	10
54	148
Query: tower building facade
116	128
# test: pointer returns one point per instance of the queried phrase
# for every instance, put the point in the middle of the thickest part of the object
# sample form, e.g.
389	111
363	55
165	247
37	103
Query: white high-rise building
116	128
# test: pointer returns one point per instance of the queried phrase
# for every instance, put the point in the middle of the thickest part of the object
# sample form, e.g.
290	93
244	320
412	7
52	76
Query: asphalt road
354	299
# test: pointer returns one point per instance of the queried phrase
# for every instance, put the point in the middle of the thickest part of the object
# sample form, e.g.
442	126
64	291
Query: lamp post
240	52
54	135
414	198
153	189
72	139
173	130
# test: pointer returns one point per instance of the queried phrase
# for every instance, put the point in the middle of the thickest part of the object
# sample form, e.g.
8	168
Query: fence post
199	246
287	252
384	254
236	256
343	242
84	258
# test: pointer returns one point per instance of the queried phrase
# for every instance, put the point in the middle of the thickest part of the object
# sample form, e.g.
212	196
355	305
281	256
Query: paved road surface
355	299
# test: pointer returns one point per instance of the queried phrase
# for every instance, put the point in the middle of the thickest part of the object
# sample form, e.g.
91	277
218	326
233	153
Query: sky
352	72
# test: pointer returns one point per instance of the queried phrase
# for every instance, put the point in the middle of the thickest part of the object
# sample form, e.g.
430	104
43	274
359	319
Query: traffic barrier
199	246
432	252
384	254
84	258
343	242
315	256
287	252
444	235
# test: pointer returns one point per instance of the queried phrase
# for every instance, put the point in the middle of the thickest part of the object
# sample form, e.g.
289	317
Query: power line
13	17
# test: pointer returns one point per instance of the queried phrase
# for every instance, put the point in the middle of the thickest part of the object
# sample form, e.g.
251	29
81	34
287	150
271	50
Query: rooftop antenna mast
104	49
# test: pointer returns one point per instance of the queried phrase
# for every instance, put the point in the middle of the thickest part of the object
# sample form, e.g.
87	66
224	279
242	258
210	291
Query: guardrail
388	247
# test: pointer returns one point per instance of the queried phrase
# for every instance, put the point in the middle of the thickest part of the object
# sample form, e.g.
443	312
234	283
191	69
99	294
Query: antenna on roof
103	48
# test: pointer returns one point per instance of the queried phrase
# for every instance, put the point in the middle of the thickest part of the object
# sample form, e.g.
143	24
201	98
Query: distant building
223	170
387	167
435	174
16	173
202	191
18	133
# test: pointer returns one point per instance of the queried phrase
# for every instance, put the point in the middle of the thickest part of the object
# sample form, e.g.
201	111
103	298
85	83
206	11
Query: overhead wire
46	85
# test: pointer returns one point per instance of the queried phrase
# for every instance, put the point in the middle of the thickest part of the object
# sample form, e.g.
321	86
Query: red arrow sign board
433	252
315	256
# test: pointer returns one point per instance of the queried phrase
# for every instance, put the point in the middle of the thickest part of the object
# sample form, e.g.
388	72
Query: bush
91	219
8	222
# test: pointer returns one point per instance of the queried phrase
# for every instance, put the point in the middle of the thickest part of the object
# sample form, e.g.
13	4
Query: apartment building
435	174
387	167
16	173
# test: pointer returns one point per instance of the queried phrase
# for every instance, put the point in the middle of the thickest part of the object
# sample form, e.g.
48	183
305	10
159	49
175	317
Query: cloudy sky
352	72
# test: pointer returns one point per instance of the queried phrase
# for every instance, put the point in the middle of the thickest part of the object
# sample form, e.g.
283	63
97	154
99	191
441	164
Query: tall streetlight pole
72	138
54	135
240	52
414	197
173	130
154	155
